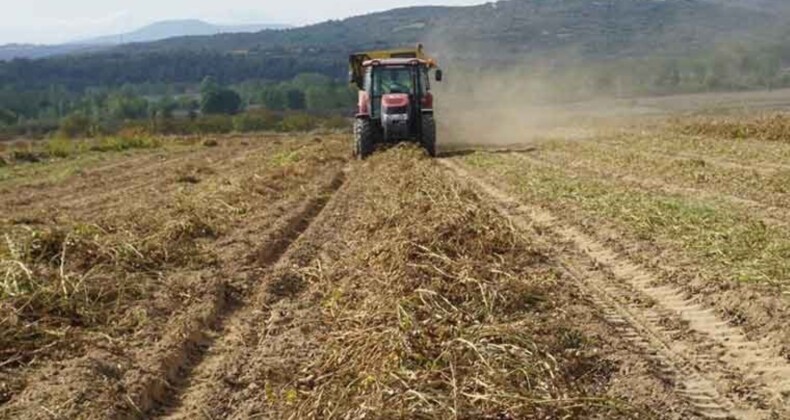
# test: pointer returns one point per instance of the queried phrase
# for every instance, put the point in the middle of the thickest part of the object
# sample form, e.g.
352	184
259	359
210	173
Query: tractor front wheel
429	134
364	143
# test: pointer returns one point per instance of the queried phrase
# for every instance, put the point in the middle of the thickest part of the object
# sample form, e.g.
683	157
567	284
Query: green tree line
38	111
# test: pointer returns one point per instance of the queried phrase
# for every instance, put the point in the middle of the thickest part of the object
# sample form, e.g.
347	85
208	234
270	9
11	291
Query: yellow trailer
356	61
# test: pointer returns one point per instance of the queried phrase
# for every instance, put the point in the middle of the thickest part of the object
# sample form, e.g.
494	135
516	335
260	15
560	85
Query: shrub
60	147
134	129
285	158
298	122
173	126
336	123
223	101
259	120
213	124
31	129
76	125
7	117
117	144
215	99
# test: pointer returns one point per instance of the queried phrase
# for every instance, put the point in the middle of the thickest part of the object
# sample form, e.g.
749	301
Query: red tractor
395	100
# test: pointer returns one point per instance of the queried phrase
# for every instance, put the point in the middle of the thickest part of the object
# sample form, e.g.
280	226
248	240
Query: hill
596	29
33	51
502	32
176	28
153	32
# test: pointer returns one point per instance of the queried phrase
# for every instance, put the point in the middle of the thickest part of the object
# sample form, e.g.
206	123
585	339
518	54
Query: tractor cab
395	100
399	92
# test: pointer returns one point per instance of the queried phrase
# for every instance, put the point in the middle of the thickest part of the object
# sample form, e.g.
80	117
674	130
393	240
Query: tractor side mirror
439	75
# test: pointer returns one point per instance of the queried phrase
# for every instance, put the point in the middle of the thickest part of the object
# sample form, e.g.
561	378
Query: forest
582	49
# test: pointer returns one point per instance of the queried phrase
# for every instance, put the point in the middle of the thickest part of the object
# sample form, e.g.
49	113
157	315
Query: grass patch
285	158
770	187
736	245
298	123
34	164
60	147
48	171
117	144
769	127
664	140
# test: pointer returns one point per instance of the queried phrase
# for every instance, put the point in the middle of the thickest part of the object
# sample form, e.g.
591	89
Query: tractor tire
429	134
364	142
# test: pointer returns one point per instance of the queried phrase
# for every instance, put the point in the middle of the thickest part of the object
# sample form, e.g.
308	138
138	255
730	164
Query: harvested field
628	273
695	228
115	272
409	297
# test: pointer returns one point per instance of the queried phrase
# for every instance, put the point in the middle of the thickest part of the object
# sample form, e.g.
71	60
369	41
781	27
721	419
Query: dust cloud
515	109
512	109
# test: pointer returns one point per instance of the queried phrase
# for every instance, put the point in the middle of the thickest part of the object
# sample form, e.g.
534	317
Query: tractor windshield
389	80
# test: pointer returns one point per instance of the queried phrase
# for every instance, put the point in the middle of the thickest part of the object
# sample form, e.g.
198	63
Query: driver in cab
395	82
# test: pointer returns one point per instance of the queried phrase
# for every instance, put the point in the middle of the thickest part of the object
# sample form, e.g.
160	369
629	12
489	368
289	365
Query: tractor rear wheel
429	134
364	143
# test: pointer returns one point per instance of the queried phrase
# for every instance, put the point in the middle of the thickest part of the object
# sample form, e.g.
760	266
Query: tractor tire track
182	354
209	391
200	390
714	366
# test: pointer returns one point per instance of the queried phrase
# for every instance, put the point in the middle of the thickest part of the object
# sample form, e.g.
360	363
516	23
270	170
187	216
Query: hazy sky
53	21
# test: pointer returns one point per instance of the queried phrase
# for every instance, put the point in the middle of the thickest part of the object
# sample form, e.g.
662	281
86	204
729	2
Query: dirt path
715	367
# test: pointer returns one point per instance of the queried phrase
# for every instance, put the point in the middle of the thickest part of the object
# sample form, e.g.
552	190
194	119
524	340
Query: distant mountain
512	28
176	28
153	32
503	32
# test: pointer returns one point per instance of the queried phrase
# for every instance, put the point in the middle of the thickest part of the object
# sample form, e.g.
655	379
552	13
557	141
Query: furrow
195	386
180	355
